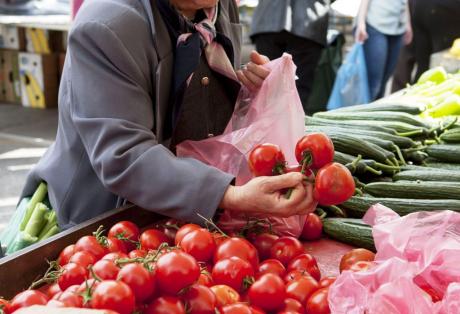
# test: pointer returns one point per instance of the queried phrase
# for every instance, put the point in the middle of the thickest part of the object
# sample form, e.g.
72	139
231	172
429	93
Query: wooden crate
19	270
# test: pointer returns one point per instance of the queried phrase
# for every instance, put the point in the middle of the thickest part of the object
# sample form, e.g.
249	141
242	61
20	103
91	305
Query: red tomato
151	239
263	243
219	238
301	288
205	279
166	305
137	253
27	298
232	272
4	306
139	279
285	249
183	231
315	146
313	227
127	231
115	245
199	299
258	310
86	290
236	308
91	244
327	281
334	184
317	303
271	266
175	271
355	255
113	295
66	254
83	258
70	299
292	306
200	244
294	275
73	274
267	292
237	247
169	228
52	290
225	295
306	262
106	269
114	256
266	160
361	266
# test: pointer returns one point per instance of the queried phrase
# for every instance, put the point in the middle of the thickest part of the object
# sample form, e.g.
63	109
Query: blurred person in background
298	27
436	26
382	26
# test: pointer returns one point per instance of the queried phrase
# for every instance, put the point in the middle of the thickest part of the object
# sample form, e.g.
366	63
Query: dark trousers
305	54
436	24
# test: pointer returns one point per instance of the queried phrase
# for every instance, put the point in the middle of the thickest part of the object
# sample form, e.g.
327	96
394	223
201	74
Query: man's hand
253	74
265	195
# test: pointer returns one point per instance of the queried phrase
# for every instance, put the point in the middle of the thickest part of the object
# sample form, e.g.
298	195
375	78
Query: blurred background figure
298	27
382	26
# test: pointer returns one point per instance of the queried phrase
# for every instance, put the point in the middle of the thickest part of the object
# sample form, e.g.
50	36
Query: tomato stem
208	222
53	272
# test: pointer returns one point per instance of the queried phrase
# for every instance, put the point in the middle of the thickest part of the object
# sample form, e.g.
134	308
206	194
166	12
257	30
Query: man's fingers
257	58
244	80
258	70
283	181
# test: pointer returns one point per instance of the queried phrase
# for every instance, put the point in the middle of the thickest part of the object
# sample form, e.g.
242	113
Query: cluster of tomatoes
334	183
175	268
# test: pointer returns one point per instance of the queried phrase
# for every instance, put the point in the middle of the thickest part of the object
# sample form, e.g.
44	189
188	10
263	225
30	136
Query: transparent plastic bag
417	258
273	114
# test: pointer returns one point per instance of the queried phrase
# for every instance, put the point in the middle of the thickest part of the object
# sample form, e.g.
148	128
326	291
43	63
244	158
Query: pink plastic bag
275	115
420	250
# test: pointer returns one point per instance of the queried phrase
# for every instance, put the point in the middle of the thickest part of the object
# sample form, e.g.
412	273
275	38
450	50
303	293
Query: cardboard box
12	37
12	83
39	79
43	41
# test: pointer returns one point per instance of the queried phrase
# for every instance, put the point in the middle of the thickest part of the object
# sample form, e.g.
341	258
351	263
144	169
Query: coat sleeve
112	110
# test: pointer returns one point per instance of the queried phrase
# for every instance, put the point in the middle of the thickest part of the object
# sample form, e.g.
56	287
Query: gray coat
304	18
113	101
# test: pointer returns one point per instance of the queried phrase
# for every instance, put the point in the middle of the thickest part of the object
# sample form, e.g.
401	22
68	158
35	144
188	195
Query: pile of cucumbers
398	159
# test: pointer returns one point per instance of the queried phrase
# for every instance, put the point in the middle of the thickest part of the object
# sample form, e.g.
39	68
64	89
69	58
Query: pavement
25	134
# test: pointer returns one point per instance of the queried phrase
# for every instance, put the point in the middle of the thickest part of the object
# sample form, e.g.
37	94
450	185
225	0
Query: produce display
174	267
404	153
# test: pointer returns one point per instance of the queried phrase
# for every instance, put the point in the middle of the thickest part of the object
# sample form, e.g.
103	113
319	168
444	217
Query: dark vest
207	105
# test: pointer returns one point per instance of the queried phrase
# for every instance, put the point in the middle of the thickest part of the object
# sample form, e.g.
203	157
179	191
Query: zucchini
357	206
350	231
355	146
384	105
400	141
428	175
386	116
451	136
445	152
415	189
357	125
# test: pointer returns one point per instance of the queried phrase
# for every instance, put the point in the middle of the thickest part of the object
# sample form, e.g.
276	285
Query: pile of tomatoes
334	183
176	268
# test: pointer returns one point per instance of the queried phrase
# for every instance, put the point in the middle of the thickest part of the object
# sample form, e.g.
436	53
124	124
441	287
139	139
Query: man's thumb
257	58
284	181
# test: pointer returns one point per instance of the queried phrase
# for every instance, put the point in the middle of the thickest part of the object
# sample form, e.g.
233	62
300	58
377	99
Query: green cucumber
350	231
451	136
445	152
357	206
400	141
384	105
357	125
415	189
428	175
380	116
442	165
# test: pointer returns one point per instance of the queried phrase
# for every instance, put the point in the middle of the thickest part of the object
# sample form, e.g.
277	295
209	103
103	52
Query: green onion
37	221
51	221
38	196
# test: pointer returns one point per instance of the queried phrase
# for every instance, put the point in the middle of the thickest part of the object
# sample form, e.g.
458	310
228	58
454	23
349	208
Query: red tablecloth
328	254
